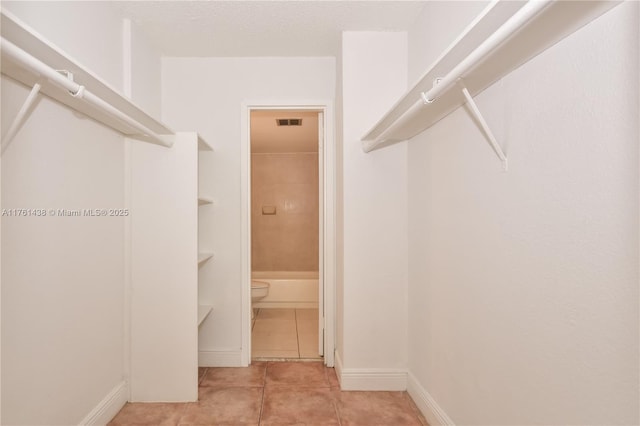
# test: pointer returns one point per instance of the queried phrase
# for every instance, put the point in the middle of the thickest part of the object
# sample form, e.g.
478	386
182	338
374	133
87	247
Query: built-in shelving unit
205	212
503	37
34	50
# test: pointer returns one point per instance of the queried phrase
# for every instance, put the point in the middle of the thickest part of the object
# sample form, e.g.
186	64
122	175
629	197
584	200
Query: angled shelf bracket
475	111
23	113
485	127
30	59
505	35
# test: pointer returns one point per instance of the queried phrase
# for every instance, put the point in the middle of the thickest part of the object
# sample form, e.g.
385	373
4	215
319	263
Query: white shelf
203	313
203	199
202	257
18	33
410	116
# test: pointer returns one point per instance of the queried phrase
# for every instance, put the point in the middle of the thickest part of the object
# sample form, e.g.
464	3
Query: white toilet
259	290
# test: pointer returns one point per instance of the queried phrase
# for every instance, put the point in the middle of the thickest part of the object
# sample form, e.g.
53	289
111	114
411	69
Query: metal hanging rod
78	91
508	29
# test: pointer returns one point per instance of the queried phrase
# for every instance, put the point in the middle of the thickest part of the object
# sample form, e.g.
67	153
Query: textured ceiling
263	28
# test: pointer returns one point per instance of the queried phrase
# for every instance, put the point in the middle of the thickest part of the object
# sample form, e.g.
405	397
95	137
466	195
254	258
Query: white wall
523	286
372	321
146	70
206	95
63	318
94	40
62	312
437	26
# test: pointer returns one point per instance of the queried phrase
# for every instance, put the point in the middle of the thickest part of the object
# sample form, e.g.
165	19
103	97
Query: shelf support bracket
485	127
21	117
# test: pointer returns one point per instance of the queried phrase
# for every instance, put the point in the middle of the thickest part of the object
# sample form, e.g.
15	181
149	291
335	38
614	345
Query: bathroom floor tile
285	334
276	314
298	406
274	326
152	414
307	326
225	406
307	374
376	408
308	338
275	341
307	314
308	345
275	354
252	376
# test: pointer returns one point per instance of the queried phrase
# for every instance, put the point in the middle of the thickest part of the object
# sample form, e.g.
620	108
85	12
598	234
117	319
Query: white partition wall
164	270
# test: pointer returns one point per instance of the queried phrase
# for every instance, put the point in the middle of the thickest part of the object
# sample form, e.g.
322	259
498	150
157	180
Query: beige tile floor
276	394
285	334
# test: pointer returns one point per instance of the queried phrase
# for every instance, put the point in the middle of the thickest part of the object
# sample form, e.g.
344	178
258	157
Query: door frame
327	227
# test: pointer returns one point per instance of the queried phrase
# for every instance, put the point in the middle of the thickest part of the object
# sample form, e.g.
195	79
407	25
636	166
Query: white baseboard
108	407
370	379
220	359
430	409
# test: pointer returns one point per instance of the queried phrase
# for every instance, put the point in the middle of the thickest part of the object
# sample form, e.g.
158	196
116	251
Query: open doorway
286	213
327	225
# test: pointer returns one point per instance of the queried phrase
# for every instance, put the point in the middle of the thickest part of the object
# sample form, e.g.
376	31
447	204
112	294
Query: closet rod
509	28
76	90
441	85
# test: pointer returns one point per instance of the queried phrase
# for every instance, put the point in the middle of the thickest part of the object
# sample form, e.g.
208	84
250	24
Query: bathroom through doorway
286	202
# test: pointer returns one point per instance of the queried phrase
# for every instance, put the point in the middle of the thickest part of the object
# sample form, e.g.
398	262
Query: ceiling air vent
289	121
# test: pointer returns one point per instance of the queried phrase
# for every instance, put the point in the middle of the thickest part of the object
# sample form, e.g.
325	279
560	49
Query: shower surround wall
288	239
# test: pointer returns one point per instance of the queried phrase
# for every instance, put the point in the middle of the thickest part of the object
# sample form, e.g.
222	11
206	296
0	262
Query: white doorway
325	255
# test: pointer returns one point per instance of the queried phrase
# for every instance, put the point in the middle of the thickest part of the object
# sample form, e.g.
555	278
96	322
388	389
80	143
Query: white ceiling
268	137
266	28
263	28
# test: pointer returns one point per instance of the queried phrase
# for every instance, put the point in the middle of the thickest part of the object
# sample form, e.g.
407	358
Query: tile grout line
264	390
184	412
335	408
295	316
